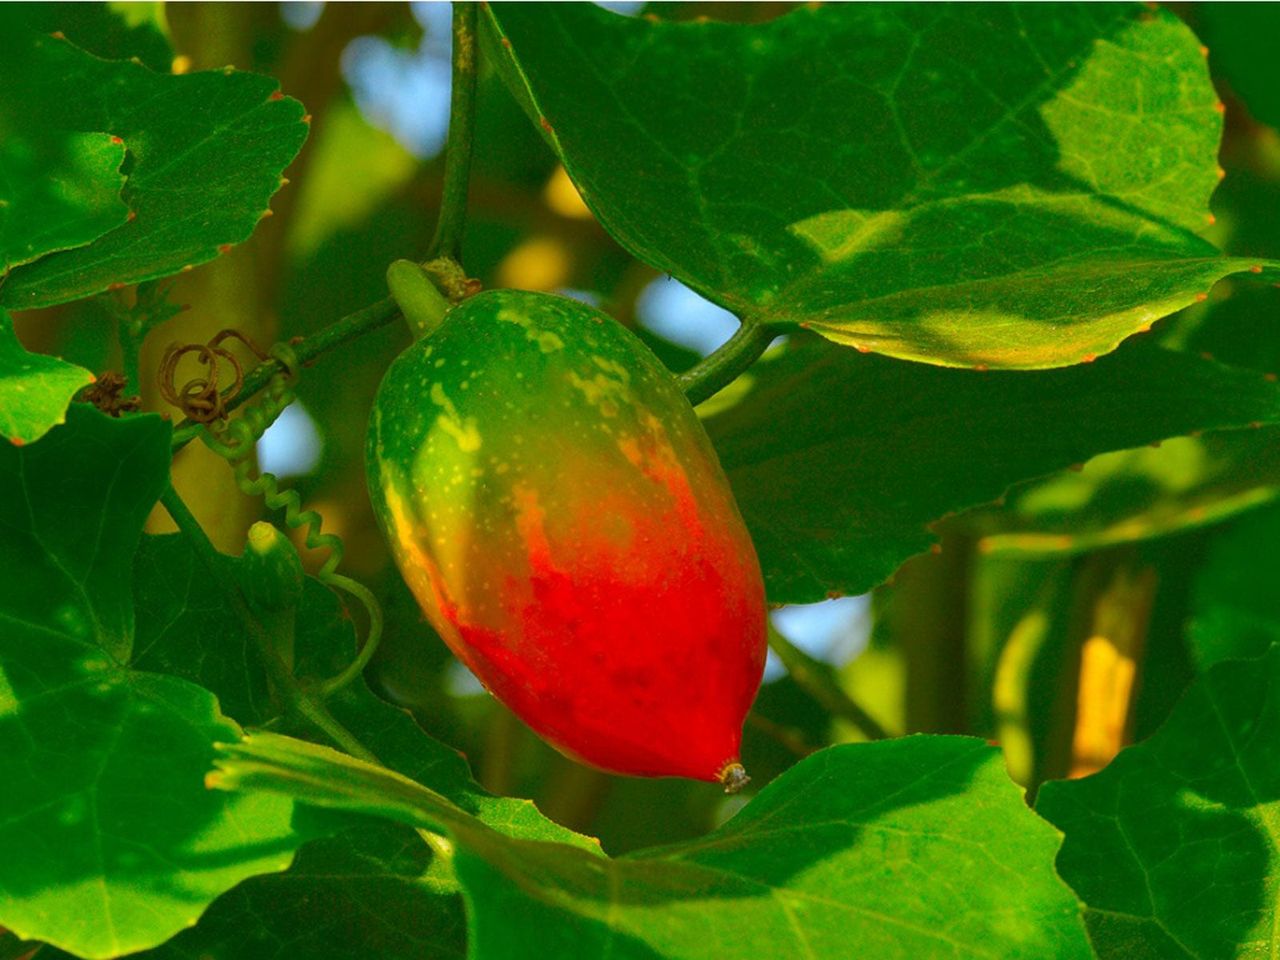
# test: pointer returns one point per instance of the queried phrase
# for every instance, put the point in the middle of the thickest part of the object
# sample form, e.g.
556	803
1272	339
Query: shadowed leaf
1173	845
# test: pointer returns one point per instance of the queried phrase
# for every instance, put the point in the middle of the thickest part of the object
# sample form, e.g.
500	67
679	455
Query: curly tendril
235	441
199	398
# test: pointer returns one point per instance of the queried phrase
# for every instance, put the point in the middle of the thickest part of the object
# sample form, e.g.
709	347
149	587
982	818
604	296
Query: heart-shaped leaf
994	185
875	450
111	841
919	847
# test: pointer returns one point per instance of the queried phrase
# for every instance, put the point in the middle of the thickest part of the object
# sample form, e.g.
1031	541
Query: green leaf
116	30
845	854
111	841
1173	845
205	155
35	389
839	462
373	890
59	189
1235	604
1135	495
1004	185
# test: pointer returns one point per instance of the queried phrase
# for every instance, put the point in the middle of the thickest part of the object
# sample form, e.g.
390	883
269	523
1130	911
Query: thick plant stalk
457	161
1109	662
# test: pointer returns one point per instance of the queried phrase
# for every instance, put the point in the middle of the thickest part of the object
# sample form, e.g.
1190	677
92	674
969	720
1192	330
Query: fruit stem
421	303
713	373
295	699
457	157
814	677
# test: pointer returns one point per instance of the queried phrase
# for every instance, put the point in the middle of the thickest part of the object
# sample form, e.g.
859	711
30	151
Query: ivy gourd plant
765	481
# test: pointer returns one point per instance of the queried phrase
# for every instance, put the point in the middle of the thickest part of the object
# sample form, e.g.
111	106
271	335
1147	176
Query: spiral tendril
235	441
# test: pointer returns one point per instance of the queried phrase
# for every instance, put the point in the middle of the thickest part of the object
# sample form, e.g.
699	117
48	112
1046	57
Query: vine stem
130	348
350	327
295	699
705	378
716	371
462	121
814	677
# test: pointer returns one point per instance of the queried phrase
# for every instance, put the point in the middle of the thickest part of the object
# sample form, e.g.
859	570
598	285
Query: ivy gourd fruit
557	509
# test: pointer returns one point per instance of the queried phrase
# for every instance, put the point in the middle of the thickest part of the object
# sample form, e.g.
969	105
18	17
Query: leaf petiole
716	371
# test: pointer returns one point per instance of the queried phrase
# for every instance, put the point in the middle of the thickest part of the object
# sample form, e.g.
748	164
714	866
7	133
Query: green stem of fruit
815	679
457	159
350	327
295	699
421	302
715	372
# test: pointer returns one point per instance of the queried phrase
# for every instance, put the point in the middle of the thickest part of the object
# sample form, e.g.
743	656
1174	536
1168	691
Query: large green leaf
919	848
186	628
35	389
999	185
1174	845
205	155
111	842
839	461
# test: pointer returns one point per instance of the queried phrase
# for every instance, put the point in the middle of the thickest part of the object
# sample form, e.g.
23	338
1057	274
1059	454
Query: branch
815	679
457	158
350	327
713	373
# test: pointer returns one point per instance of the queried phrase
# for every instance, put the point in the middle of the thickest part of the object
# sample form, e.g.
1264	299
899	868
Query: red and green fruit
557	509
